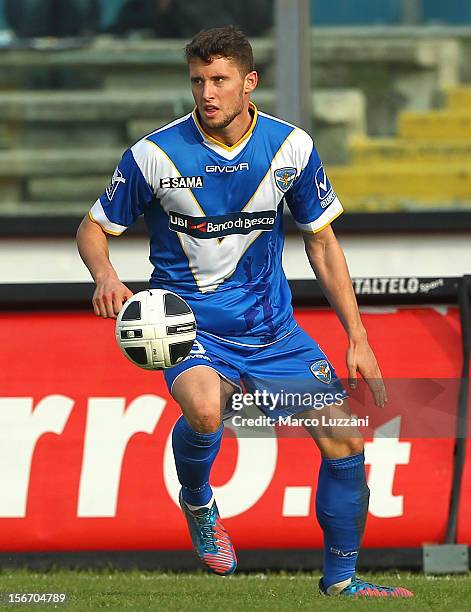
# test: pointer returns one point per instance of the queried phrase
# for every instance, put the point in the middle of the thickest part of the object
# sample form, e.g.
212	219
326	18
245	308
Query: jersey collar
213	141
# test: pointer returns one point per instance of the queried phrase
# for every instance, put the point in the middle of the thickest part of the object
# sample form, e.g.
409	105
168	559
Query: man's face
219	90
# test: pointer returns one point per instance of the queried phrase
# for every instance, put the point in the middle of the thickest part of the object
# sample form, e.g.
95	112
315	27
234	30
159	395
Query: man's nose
208	91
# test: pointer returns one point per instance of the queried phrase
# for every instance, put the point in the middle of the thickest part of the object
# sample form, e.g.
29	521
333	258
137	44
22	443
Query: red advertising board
87	463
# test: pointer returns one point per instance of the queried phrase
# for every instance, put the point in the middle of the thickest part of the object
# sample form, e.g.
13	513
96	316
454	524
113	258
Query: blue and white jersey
215	218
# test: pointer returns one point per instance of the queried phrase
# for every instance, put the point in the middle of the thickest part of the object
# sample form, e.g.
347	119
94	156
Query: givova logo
228	169
222	225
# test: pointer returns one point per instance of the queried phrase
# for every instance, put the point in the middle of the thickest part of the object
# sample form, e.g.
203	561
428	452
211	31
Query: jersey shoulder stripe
298	140
167	126
277	119
144	150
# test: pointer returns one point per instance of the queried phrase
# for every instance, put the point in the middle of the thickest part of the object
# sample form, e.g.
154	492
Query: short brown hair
229	42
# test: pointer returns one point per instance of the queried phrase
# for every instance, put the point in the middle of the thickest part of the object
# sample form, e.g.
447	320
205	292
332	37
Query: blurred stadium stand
183	18
401	173
390	12
163	18
57	104
39	18
390	104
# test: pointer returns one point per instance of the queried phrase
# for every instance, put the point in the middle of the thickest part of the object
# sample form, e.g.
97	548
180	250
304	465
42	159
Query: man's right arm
110	293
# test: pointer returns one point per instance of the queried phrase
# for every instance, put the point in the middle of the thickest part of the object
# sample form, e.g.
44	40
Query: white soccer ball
155	329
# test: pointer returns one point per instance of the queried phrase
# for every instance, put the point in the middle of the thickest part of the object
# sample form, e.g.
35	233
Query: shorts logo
116	181
197	352
321	370
324	190
284	178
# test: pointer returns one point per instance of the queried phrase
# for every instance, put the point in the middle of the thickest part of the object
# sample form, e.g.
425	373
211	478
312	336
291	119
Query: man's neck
234	132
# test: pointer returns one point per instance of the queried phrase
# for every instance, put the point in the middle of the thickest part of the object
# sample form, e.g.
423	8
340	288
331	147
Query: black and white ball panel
137	354
174	305
132	311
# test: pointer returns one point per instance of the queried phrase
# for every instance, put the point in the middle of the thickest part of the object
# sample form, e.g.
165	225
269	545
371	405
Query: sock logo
343	553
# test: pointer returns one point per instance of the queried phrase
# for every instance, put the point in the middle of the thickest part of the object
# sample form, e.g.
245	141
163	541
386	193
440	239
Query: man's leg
297	364
197	434
196	438
342	506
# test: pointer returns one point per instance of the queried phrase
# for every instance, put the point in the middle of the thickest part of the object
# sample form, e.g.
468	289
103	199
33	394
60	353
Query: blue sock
194	454
342	505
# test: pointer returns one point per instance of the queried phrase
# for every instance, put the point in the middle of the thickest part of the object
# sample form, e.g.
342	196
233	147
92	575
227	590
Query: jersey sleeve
125	198
311	199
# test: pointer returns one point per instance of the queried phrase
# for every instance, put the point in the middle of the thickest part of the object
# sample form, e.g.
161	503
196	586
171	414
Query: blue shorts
293	367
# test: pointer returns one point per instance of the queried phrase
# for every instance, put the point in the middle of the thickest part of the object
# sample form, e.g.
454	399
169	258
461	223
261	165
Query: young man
211	186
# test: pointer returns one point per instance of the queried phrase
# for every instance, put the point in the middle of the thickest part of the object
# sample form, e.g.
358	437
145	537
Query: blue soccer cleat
210	539
360	588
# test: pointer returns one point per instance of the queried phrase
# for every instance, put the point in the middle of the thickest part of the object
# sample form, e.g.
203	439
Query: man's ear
250	82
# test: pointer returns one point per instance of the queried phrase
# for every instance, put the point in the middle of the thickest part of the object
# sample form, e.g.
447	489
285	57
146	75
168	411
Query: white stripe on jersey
301	149
97	214
144	156
149	163
168	125
277	119
330	213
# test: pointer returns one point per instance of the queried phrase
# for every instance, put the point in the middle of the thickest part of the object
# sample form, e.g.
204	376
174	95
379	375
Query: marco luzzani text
287	400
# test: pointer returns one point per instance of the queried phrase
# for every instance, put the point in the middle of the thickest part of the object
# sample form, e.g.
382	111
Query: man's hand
360	358
109	297
110	293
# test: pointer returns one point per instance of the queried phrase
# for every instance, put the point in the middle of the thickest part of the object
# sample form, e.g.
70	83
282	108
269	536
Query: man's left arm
330	267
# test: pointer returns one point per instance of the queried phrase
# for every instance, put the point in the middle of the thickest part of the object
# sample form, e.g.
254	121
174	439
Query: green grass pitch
145	590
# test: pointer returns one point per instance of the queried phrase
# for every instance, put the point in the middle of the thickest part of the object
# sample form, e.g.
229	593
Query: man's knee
200	396
202	413
337	448
355	445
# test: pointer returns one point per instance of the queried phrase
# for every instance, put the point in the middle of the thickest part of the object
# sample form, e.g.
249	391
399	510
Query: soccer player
211	186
